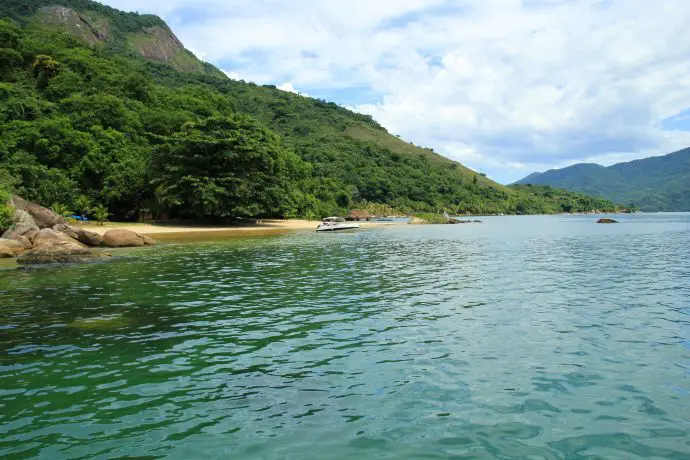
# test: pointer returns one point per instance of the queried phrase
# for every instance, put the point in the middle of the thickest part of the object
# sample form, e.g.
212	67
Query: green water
523	337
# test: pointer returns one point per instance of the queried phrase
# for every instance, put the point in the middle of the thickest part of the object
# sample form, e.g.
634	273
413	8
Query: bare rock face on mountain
158	43
126	239
85	26
43	217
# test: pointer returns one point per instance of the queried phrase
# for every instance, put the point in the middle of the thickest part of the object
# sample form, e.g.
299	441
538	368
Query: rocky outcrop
607	221
88	27
67	229
23	223
49	238
52	246
158	43
42	217
41	236
48	256
10	248
91	239
126	239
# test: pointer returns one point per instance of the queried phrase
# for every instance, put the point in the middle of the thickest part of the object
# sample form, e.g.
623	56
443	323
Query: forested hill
652	184
109	107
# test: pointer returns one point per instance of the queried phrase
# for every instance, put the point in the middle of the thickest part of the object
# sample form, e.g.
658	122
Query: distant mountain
652	184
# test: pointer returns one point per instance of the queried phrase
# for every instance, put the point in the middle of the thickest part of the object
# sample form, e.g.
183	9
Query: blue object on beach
83	219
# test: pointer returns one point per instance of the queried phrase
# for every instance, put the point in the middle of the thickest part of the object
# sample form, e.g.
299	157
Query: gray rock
67	229
43	217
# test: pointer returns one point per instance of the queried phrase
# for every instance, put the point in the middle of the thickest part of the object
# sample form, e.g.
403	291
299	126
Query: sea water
520	337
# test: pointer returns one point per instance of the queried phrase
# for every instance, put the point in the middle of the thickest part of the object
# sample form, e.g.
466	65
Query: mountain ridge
657	183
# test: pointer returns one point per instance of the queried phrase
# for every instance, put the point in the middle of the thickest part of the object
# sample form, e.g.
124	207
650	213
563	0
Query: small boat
334	224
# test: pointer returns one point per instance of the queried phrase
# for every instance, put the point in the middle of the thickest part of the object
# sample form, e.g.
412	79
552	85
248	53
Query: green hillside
652	184
109	105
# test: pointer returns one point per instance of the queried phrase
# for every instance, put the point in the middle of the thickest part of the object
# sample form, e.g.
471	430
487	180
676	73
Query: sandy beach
266	226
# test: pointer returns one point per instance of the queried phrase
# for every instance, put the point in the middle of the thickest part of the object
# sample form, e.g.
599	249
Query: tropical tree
61	209
224	167
6	210
82	205
100	213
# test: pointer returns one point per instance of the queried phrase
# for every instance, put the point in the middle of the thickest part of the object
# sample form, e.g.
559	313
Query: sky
507	87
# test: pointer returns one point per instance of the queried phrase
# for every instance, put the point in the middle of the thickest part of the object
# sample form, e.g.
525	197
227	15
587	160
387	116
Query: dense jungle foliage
93	120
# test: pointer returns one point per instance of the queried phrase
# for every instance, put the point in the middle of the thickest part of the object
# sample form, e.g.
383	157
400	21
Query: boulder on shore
52	247
120	238
23	240
10	249
43	217
23	224
91	239
607	221
48	238
67	229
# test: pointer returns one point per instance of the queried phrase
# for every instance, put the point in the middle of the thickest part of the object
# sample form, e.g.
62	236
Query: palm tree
100	213
61	209
82	205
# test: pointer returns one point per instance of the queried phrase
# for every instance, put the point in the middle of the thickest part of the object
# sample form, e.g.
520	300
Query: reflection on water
543	337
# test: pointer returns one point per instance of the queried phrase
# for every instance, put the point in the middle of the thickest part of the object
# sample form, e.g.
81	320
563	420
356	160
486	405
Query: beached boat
334	224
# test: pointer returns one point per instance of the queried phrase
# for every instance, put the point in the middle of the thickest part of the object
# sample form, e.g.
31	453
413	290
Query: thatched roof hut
358	214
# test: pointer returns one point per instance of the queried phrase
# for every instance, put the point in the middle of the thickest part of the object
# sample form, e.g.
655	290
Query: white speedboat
335	224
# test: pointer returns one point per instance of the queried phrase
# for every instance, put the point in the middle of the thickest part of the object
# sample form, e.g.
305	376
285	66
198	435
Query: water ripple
542	337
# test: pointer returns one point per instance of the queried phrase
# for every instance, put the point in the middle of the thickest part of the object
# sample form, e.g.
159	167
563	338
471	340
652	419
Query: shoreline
266	226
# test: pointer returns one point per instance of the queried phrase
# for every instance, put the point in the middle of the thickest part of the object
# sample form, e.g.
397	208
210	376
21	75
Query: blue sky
507	87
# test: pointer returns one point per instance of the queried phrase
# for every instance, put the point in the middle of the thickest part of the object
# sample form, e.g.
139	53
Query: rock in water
607	221
126	239
56	256
43	217
10	248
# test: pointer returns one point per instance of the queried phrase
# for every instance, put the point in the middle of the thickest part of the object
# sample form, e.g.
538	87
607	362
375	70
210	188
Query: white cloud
287	86
507	86
232	75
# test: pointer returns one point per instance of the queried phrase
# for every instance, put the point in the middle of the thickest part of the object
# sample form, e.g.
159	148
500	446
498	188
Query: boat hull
337	228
